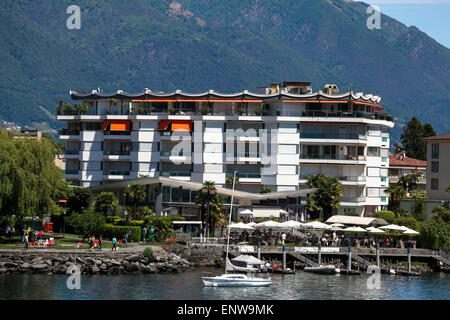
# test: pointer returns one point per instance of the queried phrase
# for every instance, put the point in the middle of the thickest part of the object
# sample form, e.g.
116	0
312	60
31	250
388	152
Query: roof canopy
359	221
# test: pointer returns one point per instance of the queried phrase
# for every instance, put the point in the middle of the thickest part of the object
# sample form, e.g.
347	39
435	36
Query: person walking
125	240
91	243
114	241
26	241
100	240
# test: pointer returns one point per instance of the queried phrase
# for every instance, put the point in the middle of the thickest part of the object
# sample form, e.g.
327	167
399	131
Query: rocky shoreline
98	263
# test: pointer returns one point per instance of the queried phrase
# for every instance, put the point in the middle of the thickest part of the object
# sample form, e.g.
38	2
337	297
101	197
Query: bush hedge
409	222
389	216
109	231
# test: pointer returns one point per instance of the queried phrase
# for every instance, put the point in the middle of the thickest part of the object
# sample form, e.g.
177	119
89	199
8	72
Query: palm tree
396	194
105	201
204	199
328	195
136	193
409	181
419	197
216	215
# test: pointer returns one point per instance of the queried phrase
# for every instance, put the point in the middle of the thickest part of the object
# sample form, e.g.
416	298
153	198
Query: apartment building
438	167
273	138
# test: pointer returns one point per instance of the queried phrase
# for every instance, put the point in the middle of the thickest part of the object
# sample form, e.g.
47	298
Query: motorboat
235	280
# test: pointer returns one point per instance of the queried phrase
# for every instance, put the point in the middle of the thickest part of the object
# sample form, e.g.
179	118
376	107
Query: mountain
232	45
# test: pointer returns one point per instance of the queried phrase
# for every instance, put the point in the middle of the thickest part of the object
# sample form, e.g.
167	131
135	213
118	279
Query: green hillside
196	45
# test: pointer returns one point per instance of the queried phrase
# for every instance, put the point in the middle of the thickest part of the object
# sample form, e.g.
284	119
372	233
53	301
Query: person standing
114	241
125	240
100	240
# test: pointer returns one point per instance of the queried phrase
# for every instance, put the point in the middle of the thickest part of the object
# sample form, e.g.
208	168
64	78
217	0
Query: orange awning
120	125
181	125
163	125
105	125
62	200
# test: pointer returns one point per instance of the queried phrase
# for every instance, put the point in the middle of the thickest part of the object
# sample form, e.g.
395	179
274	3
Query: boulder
10	265
115	262
26	265
39	266
133	258
103	266
94	269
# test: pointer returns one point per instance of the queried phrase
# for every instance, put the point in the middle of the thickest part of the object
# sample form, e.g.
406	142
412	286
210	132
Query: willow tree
328	195
30	182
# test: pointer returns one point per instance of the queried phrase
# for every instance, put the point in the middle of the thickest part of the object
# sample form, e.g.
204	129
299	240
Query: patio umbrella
317	225
246	212
240	226
268	224
393	227
337	225
410	231
251	224
337	229
355	229
375	230
291	224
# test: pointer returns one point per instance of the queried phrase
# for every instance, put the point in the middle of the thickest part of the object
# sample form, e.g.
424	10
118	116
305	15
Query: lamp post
64	222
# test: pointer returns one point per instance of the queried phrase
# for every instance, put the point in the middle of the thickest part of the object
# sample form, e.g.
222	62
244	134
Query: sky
430	16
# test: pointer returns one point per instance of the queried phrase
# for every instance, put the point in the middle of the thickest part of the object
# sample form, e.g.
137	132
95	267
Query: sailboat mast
229	221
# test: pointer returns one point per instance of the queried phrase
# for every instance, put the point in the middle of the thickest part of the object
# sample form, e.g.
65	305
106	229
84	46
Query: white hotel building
274	138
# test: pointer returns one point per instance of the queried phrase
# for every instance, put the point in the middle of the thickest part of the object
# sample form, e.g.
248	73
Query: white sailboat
234	280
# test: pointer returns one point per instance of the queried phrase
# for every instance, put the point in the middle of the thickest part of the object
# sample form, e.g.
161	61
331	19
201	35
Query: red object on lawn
48	226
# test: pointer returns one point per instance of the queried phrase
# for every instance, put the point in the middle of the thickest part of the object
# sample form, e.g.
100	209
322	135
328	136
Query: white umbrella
392	227
246	211
317	225
268	224
410	231
251	224
241	226
375	230
291	224
405	228
337	225
337	229
356	229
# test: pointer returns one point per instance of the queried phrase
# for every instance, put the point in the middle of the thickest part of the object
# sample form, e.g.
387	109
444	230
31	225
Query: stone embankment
89	263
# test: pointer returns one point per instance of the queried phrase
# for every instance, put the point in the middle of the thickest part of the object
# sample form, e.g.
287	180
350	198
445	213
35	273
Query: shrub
352	213
148	252
389	216
435	233
86	224
409	222
131	223
113	219
109	231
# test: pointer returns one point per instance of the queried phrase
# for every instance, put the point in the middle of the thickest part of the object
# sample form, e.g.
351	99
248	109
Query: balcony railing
331	157
340	178
174	153
247	133
333	136
68	171
115	172
353	199
248	175
116	153
67	132
175	173
243	155
75	152
348	114
116	133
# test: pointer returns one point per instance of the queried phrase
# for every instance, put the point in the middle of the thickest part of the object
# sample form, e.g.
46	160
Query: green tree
328	195
419	197
442	212
409	181
105	202
412	137
86	224
396	194
204	199
435	233
79	200
264	189
135	193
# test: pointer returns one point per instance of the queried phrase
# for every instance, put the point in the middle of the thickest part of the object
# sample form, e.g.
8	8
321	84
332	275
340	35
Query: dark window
435	151
434	166
434	184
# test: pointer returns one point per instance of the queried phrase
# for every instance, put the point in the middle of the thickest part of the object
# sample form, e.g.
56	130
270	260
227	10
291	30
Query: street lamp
64	222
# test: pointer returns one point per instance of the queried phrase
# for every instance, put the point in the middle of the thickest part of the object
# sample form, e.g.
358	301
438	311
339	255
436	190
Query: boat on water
235	280
330	269
245	263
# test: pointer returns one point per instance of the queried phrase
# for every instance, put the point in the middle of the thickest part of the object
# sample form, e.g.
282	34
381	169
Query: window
434	166
435	151
92	126
434	184
373	152
373	192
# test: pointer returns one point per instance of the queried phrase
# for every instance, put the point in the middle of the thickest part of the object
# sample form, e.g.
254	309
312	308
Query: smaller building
400	165
438	167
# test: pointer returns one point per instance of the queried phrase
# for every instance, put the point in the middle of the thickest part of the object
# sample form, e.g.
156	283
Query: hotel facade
274	138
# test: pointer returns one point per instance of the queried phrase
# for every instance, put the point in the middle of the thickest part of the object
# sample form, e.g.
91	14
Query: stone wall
198	254
97	263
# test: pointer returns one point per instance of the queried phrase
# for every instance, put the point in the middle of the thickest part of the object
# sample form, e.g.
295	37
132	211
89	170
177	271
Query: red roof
440	137
396	160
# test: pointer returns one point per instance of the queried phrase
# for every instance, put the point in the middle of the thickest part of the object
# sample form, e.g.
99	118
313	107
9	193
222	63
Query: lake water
189	286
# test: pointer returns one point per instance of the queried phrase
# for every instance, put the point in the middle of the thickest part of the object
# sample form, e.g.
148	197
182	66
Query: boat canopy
248	259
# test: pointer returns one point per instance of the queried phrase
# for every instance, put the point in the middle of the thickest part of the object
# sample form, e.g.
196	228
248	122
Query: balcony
116	172
249	133
116	153
69	154
243	175
348	114
352	200
71	172
116	133
345	180
69	134
175	135
175	173
332	158
337	136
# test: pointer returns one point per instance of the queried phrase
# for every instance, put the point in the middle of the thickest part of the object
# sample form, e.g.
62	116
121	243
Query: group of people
93	244
35	238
